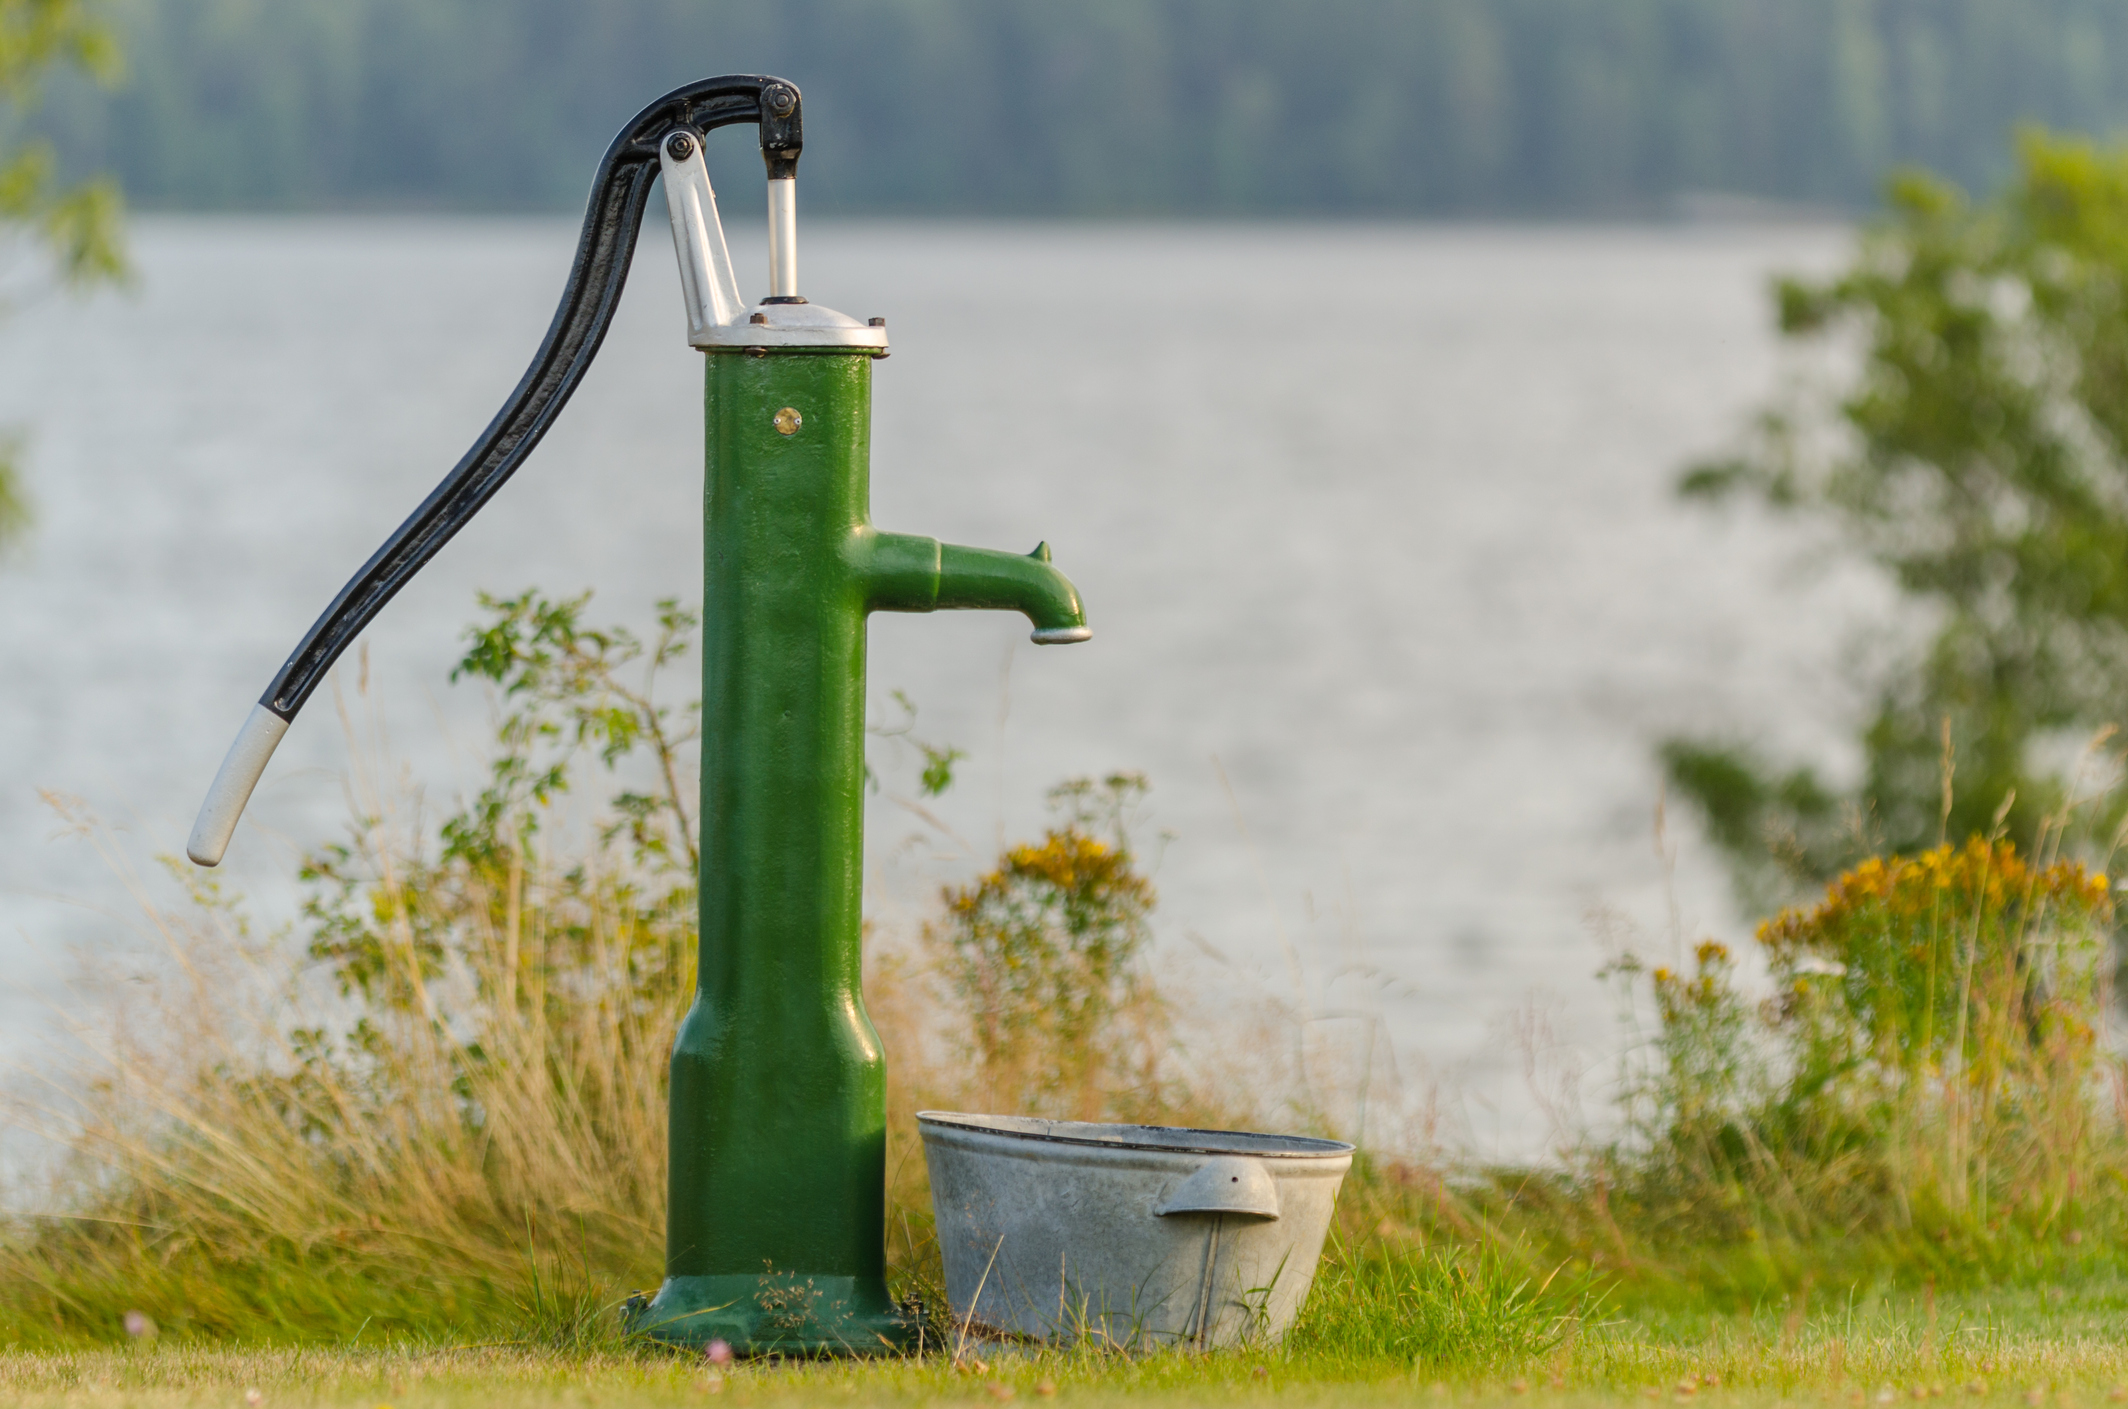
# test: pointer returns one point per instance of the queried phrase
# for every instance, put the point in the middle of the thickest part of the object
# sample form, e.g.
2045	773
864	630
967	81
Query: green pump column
776	1222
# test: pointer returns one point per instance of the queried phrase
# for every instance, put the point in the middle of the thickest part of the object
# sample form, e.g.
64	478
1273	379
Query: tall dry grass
256	1144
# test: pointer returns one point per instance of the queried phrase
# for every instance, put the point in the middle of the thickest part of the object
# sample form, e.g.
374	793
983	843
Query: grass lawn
2059	1346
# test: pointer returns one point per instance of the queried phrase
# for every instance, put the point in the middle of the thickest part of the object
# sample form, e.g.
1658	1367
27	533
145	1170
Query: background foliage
77	224
1210	106
1977	451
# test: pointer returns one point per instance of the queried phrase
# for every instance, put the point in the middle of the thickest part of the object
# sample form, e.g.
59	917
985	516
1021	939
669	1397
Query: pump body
776	1221
775	1230
776	1224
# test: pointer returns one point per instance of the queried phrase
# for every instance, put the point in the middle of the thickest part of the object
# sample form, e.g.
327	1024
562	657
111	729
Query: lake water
1374	525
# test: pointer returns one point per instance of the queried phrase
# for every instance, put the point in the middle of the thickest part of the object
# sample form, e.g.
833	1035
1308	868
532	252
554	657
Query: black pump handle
619	194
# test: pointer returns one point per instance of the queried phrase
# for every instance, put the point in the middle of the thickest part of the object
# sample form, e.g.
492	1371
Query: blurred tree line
1098	106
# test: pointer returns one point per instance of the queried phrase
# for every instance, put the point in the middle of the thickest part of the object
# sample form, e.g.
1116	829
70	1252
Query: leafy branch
566	682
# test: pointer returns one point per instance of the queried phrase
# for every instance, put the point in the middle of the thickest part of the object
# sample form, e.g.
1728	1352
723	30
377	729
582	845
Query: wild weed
1930	1051
1041	958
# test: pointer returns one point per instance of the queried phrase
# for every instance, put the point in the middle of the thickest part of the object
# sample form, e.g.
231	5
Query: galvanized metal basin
1135	1235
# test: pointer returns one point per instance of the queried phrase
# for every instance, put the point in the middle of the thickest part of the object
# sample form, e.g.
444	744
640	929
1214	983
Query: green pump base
771	1315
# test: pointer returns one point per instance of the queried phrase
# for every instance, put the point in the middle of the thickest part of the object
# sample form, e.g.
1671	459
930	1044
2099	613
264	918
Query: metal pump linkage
775	1226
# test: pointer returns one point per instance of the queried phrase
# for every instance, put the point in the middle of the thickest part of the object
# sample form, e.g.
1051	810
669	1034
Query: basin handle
612	220
1230	1184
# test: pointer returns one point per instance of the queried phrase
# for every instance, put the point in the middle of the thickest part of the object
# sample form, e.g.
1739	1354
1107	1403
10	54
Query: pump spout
904	573
982	578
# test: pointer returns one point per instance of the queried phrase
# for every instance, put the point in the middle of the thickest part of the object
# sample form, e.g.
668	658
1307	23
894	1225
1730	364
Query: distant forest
1393	107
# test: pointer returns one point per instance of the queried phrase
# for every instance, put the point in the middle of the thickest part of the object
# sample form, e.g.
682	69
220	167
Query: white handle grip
246	760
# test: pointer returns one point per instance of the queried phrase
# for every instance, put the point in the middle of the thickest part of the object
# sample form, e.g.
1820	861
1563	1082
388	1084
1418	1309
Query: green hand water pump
775	1226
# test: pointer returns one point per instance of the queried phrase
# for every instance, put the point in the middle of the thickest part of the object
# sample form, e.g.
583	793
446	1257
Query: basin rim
1162	1139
